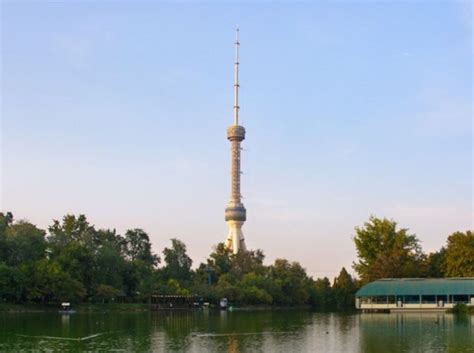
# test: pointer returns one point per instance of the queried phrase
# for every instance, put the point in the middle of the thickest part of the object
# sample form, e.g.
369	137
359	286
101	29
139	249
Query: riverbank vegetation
462	309
74	261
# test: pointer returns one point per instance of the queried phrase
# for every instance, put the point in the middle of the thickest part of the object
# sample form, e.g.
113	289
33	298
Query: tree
293	282
72	244
24	243
106	293
72	229
459	258
12	283
138	247
6	220
256	288
220	260
140	264
247	261
387	252
435	263
78	261
174	287
323	296
108	260
54	284
343	290
178	263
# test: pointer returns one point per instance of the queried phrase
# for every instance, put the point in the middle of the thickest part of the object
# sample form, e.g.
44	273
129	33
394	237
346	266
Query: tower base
235	239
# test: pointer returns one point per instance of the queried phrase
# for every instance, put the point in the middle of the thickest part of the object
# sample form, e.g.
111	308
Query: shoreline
126	307
140	307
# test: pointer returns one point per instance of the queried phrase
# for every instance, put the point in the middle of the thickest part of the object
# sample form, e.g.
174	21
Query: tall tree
343	290
385	251
138	247
220	261
109	262
178	263
73	248
140	265
459	259
25	243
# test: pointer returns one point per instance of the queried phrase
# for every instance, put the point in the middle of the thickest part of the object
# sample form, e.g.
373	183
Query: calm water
258	331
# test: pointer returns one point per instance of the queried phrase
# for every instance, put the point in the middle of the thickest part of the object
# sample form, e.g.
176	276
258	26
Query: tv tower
235	213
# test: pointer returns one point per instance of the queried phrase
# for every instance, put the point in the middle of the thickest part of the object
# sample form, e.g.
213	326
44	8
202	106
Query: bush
462	309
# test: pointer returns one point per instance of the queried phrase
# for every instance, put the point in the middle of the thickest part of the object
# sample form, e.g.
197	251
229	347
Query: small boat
66	309
223	304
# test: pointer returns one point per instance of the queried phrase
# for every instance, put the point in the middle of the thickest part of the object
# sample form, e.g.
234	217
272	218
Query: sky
119	110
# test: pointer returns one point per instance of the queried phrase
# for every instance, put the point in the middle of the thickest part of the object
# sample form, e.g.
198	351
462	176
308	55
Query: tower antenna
236	78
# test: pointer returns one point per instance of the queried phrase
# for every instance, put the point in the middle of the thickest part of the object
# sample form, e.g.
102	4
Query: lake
237	331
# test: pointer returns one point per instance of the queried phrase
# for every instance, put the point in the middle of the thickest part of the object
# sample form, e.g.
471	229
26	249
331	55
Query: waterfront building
415	294
235	212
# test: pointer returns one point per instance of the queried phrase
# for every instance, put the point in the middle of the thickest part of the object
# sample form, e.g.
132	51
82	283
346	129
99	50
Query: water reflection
415	332
241	331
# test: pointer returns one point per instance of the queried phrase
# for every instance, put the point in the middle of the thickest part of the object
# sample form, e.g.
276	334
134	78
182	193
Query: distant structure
235	213
415	294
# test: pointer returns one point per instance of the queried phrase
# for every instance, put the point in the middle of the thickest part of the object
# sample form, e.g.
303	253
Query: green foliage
53	284
24	243
106	293
72	230
79	263
178	263
247	261
109	264
343	290
243	279
292	283
173	287
140	264
138	247
220	260
322	296
387	252
436	263
459	257
12	283
462	309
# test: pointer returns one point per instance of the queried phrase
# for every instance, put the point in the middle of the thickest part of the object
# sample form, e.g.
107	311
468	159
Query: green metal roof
418	286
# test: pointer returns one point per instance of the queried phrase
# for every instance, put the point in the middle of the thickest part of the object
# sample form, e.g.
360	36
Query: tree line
384	251
74	261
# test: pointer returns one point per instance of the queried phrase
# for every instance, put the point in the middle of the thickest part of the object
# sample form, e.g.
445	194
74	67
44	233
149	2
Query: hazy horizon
119	110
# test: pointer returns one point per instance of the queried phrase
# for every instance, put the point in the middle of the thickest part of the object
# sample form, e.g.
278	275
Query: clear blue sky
119	110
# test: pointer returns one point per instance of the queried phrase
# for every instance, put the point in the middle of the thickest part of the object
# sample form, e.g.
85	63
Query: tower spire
235	212
236	78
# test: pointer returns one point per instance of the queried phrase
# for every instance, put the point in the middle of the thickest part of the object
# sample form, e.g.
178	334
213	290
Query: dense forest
74	261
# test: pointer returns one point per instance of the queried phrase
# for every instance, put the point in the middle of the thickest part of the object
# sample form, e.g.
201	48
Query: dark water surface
238	331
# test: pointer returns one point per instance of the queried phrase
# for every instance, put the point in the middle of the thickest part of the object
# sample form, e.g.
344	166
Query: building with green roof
415	294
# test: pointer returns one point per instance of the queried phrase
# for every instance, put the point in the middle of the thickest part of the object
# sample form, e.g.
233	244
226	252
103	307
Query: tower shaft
235	213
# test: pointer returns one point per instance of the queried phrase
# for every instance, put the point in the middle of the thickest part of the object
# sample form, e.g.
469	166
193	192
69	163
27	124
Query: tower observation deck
235	213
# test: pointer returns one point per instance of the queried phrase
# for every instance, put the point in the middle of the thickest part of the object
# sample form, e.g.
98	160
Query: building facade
415	294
